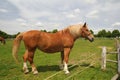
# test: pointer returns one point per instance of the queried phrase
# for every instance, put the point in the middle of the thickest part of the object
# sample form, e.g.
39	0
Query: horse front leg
66	57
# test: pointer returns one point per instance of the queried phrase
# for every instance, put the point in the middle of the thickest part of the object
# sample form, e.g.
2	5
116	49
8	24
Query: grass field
48	65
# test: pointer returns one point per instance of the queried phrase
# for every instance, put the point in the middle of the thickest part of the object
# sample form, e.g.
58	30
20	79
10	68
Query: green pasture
48	64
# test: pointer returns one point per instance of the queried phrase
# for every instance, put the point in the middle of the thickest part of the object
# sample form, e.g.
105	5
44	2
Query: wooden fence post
116	43
103	63
118	50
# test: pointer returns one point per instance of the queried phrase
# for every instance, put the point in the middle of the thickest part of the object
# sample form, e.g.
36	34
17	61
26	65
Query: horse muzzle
91	39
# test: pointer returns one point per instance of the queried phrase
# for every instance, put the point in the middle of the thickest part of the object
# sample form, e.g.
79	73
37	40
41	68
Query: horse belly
52	49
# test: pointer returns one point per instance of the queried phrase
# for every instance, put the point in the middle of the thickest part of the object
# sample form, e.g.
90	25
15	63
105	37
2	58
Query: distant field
48	65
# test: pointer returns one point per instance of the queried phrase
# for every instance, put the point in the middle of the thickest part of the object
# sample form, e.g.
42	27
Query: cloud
70	16
11	27
57	14
20	20
72	13
30	9
24	24
3	10
77	10
93	14
90	1
39	24
116	24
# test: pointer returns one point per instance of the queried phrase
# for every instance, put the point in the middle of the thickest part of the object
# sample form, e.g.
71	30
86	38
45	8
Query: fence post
117	43
118	60
103	63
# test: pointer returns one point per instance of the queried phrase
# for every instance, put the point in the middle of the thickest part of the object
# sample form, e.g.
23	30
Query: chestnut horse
2	40
61	41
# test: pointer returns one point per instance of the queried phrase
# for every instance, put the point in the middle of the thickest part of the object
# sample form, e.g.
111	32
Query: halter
85	34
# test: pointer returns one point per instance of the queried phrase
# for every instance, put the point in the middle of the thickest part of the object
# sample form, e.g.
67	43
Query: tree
54	31
108	34
102	33
115	33
43	30
3	34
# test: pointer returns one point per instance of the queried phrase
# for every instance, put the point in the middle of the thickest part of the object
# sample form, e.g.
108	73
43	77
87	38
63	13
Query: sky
23	15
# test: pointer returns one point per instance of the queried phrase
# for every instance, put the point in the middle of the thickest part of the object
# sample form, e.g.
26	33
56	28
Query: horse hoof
67	72
35	72
26	71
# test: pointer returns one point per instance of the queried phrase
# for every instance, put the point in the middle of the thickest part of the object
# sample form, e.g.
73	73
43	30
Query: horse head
85	32
2	40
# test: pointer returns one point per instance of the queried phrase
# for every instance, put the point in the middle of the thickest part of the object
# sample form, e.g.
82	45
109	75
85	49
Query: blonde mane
75	30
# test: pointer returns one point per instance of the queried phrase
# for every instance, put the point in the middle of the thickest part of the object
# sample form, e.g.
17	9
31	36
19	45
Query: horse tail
16	45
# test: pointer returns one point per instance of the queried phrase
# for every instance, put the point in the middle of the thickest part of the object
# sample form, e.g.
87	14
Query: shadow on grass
45	68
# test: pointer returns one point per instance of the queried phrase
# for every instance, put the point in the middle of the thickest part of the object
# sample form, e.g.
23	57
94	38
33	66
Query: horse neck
75	31
67	32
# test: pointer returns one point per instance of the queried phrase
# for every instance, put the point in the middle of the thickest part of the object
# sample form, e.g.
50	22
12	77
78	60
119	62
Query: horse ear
84	24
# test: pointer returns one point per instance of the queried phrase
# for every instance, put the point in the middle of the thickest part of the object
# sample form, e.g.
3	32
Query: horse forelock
75	30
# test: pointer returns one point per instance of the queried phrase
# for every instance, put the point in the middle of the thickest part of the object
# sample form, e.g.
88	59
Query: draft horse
61	41
2	40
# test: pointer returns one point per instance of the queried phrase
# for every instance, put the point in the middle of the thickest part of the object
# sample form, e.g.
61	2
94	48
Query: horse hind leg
30	59
62	58
25	67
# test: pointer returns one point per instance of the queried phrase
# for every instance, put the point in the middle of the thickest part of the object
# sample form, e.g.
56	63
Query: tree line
101	33
6	35
108	34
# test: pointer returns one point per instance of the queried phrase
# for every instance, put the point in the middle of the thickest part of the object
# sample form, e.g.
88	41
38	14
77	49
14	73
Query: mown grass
48	65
